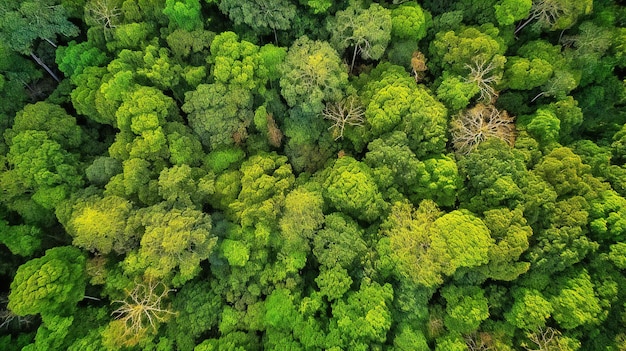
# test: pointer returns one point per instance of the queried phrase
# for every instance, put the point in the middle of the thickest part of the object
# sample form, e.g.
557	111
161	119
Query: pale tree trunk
42	64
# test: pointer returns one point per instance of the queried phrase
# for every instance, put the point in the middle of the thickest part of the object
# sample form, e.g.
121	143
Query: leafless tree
103	13
143	307
342	113
473	126
544	340
7	317
545	12
478	342
483	74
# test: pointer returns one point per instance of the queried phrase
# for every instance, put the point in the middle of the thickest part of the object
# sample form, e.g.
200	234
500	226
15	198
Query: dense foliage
311	174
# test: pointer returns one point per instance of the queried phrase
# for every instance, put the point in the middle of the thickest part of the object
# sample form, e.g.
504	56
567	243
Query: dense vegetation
312	174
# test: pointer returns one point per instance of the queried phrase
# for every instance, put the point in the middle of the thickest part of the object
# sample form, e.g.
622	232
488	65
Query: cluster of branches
475	125
342	113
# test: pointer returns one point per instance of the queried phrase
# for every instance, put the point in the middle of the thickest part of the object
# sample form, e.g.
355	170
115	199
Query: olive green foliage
311	74
204	175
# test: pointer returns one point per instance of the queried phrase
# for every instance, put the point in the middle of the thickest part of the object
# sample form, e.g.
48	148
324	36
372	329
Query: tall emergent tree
22	23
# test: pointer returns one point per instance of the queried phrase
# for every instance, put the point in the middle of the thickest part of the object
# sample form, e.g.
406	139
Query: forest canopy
204	175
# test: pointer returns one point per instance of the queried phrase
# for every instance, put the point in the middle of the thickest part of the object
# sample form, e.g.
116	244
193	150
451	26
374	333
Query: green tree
98	224
263	16
339	243
184	14
40	170
393	101
511	233
23	240
454	51
52	119
197	307
456	92
265	181
524	74
49	285
510	11
350	188
302	218
367	30
530	309
459	239
75	57
494	176
219	113
410	21
576	303
312	74
466	308
174	243
363	318
22	23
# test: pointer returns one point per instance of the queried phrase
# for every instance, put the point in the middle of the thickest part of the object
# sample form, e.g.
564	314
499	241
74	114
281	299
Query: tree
459	239
530	310
49	285
84	95
424	246
472	127
363	317
41	169
98	224
265	181
345	112
302	218
184	43
485	74
173	239
524	74
105	14
453	51
311	75
339	243
544	127
21	240
511	233
510	11
350	188
466	308
550	339
184	14
219	113
393	101
180	185
261	15
367	30
21	24
556	14
75	57
197	309
140	313
576	302
410	21
51	119
456	92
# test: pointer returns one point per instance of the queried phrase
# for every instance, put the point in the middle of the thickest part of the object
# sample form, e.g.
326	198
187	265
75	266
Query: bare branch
479	123
143	307
345	112
543	339
484	76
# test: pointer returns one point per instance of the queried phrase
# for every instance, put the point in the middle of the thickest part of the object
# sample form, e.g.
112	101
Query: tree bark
42	64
